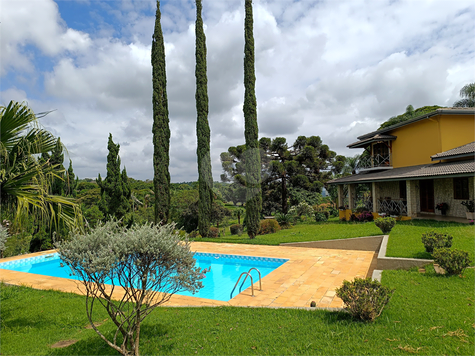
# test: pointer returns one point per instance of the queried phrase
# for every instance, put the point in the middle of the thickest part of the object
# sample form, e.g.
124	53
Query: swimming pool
218	283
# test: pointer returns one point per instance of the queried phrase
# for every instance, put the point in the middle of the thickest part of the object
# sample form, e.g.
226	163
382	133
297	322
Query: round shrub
433	240
452	261
268	226
213	232
385	224
320	216
364	299
236	229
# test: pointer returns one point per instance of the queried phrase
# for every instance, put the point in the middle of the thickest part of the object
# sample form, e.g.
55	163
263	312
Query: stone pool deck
311	274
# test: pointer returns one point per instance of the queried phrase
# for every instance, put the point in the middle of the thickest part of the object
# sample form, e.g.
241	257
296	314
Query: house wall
444	193
418	141
388	189
456	130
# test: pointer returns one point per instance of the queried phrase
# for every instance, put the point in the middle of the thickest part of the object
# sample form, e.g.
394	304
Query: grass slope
428	315
405	237
304	232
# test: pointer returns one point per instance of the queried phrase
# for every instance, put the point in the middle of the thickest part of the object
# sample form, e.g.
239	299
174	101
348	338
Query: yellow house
414	166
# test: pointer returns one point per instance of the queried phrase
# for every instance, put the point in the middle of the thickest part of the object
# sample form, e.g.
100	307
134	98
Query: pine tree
160	129
115	189
253	164
56	159
205	177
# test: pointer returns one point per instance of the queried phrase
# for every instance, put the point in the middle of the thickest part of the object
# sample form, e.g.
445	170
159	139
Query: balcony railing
392	207
376	161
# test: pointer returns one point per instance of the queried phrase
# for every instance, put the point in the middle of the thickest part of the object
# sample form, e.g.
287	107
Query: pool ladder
247	274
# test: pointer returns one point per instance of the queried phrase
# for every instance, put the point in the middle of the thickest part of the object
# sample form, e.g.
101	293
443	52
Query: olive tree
130	272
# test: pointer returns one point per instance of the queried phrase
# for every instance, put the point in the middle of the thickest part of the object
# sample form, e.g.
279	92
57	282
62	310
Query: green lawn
428	315
304	232
405	238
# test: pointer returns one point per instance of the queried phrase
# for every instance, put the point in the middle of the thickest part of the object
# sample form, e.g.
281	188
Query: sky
331	68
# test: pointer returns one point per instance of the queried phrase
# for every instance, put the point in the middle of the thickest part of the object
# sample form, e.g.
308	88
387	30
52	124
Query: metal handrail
252	283
260	281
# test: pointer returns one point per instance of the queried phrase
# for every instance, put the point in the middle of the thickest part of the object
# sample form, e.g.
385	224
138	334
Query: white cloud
326	68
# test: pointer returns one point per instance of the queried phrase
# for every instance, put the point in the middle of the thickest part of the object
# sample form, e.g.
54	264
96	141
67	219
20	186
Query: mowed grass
405	237
303	232
428	315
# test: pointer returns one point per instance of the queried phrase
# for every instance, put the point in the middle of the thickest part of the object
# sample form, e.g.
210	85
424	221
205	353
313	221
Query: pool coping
310	274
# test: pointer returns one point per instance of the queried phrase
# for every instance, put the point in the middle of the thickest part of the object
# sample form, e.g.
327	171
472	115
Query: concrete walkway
311	274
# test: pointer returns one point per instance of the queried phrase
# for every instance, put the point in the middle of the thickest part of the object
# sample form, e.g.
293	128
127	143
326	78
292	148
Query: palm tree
24	180
351	165
468	95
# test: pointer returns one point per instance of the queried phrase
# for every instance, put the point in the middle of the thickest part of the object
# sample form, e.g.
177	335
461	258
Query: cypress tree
70	183
56	159
251	132
160	129
205	177
115	189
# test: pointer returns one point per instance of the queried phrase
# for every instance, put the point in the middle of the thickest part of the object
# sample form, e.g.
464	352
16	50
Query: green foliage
469	204
25	179
409	114
205	177
433	240
468	97
115	189
56	160
160	127
3	238
285	220
236	229
452	261
251	132
93	216
320	216
70	183
385	224
150	263
302	209
268	226
213	232
365	299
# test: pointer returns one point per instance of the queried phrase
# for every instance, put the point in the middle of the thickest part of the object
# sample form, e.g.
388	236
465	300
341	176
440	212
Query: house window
402	190
461	188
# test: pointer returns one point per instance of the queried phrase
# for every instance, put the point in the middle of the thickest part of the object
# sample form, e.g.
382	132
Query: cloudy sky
332	68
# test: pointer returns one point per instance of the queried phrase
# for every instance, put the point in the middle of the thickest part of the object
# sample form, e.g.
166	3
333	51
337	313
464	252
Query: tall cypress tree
251	132
115	188
56	159
70	183
160	129
205	177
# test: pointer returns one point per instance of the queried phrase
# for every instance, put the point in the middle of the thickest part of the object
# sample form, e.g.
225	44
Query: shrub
3	238
303	209
469	204
385	224
320	216
365	216
433	240
194	234
452	261
236	229
149	262
213	232
364	298
285	220
268	226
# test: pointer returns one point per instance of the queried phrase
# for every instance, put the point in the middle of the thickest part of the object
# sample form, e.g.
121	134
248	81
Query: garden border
368	243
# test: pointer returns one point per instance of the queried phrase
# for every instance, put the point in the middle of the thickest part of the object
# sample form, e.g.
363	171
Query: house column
374	195
340	194
412	192
351	196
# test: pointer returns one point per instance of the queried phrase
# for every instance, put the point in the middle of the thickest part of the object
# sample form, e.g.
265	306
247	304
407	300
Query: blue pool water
218	283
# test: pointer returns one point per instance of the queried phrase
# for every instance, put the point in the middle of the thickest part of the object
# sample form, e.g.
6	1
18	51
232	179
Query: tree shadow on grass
153	340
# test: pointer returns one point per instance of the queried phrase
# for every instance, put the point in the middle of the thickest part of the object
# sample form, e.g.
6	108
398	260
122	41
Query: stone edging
368	243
